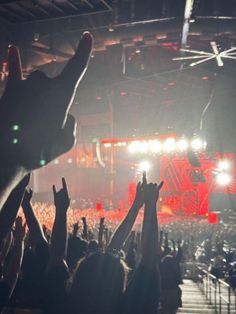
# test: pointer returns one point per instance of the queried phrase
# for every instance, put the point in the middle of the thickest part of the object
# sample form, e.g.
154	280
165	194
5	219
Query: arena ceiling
132	65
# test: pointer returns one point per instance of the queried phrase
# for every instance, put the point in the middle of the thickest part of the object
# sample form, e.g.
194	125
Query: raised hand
75	229
61	197
139	196
151	194
27	198
20	230
85	228
34	122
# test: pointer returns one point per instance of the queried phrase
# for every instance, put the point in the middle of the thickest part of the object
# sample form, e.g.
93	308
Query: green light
15	140
42	162
15	127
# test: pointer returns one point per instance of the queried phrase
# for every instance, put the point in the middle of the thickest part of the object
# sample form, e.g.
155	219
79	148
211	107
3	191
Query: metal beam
10	12
47	51
72	5
106	5
88	3
40	7
57	7
27	11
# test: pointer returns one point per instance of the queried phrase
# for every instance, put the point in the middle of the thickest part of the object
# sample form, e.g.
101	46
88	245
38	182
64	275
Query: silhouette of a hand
35	125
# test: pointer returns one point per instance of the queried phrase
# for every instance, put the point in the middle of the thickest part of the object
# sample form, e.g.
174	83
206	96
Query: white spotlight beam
189	58
230	57
201	61
217	53
187	15
199	52
228	51
206	56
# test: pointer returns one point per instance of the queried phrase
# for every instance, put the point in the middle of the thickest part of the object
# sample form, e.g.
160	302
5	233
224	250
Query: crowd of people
97	269
78	261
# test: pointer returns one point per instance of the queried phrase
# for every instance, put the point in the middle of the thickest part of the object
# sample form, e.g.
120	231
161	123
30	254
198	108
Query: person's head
77	248
93	246
98	284
169	268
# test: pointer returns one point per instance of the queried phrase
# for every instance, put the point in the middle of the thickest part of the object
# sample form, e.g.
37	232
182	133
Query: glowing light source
143	147
169	145
182	145
15	140
15	127
144	166
56	161
223	165
111	28
107	145
155	146
133	147
197	144
69	160
42	162
223	178
204	56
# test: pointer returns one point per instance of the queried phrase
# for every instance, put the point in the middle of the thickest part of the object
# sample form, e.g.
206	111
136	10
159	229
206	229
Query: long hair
98	284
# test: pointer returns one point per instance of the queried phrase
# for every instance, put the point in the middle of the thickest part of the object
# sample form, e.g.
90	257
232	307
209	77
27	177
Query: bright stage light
154	146
107	145
169	145
182	145
133	147
144	166
143	147
197	144
56	161
223	178
223	165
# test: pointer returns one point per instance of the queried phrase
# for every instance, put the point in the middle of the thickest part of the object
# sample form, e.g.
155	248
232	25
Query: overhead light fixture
207	56
111	28
36	36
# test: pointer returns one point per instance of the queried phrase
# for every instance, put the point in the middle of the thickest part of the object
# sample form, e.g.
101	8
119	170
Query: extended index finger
54	190
14	66
144	181
64	185
77	65
160	185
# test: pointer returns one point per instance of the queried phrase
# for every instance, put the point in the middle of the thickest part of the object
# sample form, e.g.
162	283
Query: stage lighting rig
163	144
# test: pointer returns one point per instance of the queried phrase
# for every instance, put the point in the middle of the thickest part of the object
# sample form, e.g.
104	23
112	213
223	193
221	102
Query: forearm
150	236
9	178
9	210
14	267
100	234
35	228
58	247
124	229
6	247
85	230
